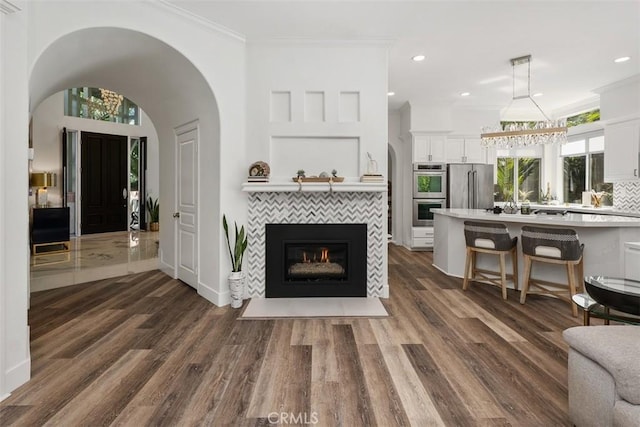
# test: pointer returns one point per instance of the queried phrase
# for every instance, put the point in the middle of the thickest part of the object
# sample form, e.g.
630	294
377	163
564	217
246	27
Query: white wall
332	92
15	364
36	55
399	149
48	122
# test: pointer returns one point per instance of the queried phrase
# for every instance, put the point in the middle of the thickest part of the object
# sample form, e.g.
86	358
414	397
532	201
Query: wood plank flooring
147	350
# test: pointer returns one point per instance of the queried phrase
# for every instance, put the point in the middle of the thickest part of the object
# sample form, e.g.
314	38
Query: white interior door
186	214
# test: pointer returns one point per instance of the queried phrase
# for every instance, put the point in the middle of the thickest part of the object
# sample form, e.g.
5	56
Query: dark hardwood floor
147	350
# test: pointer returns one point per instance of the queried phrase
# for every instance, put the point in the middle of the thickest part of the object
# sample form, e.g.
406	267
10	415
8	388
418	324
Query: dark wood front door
104	183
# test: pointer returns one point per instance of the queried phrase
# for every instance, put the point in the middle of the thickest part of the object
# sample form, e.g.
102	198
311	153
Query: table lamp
42	180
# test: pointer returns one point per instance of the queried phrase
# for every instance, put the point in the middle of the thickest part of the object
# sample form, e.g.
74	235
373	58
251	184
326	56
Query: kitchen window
583	168
518	175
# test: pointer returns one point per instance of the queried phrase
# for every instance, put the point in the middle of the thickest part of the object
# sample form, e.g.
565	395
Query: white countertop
570	219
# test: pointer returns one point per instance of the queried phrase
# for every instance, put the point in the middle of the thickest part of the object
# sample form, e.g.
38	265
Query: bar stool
490	238
558	246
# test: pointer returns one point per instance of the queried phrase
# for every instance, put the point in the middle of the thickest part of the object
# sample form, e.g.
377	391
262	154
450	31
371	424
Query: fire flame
324	256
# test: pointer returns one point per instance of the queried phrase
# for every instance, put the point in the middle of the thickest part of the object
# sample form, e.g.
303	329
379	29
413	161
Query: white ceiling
468	44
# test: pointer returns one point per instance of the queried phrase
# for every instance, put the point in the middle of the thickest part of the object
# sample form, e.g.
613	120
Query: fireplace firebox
316	260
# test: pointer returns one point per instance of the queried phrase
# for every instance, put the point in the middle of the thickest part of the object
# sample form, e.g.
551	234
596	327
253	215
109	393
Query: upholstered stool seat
490	238
558	246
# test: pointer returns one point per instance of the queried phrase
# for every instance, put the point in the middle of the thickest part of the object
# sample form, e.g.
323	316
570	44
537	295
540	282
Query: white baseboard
215	297
167	269
17	375
385	291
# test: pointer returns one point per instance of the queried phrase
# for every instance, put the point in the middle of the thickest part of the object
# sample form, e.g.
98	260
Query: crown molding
210	25
7	7
374	42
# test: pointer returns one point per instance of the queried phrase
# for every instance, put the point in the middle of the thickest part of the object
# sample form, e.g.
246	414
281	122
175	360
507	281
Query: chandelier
522	134
111	101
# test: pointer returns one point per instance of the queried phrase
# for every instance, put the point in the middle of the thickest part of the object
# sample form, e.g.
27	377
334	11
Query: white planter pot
236	288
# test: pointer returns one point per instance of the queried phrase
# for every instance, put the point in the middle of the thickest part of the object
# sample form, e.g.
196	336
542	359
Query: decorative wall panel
314	107
320	207
349	106
626	196
280	107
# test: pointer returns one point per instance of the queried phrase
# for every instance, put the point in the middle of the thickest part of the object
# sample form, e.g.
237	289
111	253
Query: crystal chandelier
522	134
111	101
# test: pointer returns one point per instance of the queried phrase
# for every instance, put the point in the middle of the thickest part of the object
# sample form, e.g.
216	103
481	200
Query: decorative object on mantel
259	172
319	179
372	177
372	165
236	277
522	134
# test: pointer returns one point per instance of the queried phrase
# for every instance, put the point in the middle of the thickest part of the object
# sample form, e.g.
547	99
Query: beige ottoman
604	375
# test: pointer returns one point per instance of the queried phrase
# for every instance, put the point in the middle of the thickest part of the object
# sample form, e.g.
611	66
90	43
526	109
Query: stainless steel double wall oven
429	191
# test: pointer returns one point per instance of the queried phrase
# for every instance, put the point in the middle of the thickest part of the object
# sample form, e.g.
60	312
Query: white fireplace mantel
289	187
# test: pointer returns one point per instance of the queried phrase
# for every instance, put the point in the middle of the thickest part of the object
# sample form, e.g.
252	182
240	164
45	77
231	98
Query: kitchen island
603	237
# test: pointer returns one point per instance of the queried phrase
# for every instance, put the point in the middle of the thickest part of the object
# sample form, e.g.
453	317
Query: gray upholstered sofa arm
604	375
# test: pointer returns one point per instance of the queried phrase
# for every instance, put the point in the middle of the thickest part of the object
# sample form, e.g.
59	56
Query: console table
50	230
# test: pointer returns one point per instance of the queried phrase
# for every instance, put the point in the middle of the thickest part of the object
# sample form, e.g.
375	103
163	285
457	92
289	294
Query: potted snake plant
153	208
236	277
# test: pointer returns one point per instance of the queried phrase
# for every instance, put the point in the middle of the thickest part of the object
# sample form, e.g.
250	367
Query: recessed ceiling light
390	93
419	58
465	94
622	59
537	94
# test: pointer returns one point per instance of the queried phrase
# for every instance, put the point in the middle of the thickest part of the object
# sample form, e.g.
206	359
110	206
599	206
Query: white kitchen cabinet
621	151
428	148
422	237
632	260
465	150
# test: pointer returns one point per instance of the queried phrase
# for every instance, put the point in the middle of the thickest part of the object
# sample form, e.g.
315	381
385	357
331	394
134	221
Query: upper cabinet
622	148
428	148
465	150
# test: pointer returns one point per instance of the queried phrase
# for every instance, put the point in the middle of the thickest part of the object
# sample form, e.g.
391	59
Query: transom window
93	103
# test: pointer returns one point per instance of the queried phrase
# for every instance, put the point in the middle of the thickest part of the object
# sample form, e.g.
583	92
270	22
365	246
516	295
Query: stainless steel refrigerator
469	186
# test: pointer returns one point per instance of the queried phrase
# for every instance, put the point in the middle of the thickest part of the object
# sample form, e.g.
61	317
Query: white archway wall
218	57
399	156
14	256
26	35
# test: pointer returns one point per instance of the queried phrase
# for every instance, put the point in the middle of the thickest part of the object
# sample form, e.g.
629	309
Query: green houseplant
153	209
236	278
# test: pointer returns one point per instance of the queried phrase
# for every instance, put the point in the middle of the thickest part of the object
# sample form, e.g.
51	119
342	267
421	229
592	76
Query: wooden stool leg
525	278
514	261
572	287
467	266
503	276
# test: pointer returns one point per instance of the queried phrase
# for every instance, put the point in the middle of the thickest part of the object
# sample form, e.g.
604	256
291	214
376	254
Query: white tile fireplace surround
348	203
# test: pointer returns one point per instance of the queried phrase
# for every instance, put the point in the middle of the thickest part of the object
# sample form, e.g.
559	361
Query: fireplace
316	260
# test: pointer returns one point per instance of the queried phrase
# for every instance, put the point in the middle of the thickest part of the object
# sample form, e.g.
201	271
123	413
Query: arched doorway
164	83
125	53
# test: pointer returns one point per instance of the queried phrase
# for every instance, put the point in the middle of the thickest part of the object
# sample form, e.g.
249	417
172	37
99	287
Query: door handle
176	215
124	193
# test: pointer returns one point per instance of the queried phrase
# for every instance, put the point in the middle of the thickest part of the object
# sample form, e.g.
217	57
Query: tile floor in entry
94	257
